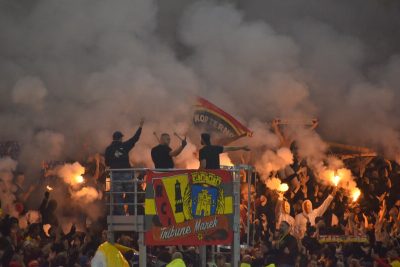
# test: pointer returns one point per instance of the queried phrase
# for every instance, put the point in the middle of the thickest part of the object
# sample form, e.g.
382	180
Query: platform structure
135	220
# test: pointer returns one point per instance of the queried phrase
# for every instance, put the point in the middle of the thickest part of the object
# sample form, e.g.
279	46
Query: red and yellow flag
212	118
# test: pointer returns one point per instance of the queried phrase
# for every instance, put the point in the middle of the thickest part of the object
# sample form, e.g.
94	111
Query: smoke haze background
72	72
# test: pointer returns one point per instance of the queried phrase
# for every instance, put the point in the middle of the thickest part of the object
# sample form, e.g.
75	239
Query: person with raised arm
117	157
209	154
162	154
309	214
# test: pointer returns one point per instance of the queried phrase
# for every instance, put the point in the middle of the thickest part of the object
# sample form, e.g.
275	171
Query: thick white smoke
29	91
86	195
71	173
72	72
72	176
82	194
102	72
271	161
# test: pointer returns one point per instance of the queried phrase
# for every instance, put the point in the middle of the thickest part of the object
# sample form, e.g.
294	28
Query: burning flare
71	173
49	188
79	179
226	161
355	194
336	179
276	184
283	187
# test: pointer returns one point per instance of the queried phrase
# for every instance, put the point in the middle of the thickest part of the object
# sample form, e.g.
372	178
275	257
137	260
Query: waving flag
212	118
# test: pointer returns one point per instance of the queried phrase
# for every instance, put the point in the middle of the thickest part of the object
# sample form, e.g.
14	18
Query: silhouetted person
48	209
209	154
162	154
285	247
117	157
309	214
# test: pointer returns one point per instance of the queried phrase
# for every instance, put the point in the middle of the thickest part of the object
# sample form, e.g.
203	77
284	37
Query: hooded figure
309	214
282	213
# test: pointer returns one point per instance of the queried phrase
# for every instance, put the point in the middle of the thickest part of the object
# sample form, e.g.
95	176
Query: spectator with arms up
162	154
309	214
117	157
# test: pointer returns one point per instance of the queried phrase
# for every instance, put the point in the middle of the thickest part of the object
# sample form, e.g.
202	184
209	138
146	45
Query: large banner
212	118
190	207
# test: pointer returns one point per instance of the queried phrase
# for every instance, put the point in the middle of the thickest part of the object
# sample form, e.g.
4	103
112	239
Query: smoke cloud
29	91
71	73
71	173
274	161
85	198
86	195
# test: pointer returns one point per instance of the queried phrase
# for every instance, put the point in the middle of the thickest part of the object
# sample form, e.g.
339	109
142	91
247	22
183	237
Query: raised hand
184	142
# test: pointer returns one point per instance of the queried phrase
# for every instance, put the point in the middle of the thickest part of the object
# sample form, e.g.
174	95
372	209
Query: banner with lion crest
191	207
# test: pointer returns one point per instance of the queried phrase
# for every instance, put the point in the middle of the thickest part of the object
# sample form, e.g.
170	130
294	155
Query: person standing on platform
117	157
162	154
209	154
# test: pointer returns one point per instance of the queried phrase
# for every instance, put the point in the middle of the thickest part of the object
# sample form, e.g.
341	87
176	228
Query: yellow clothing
124	249
395	263
243	264
176	263
112	255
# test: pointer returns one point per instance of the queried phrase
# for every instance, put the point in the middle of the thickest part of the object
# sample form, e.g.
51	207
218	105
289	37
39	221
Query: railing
135	220
135	181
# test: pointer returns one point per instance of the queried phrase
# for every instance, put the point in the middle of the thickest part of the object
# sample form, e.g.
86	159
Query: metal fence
133	220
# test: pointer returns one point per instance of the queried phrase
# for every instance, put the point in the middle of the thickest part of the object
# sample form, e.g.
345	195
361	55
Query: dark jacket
290	243
117	153
47	210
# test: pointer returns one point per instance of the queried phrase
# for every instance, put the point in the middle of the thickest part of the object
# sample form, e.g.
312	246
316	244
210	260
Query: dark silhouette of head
165	139
117	136
205	139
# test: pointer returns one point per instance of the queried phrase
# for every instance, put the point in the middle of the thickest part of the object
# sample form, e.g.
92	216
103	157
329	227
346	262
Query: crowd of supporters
311	224
330	228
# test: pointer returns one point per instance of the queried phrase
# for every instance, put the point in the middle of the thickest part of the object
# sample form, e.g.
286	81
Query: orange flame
192	164
355	194
49	188
226	161
283	187
336	179
79	179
